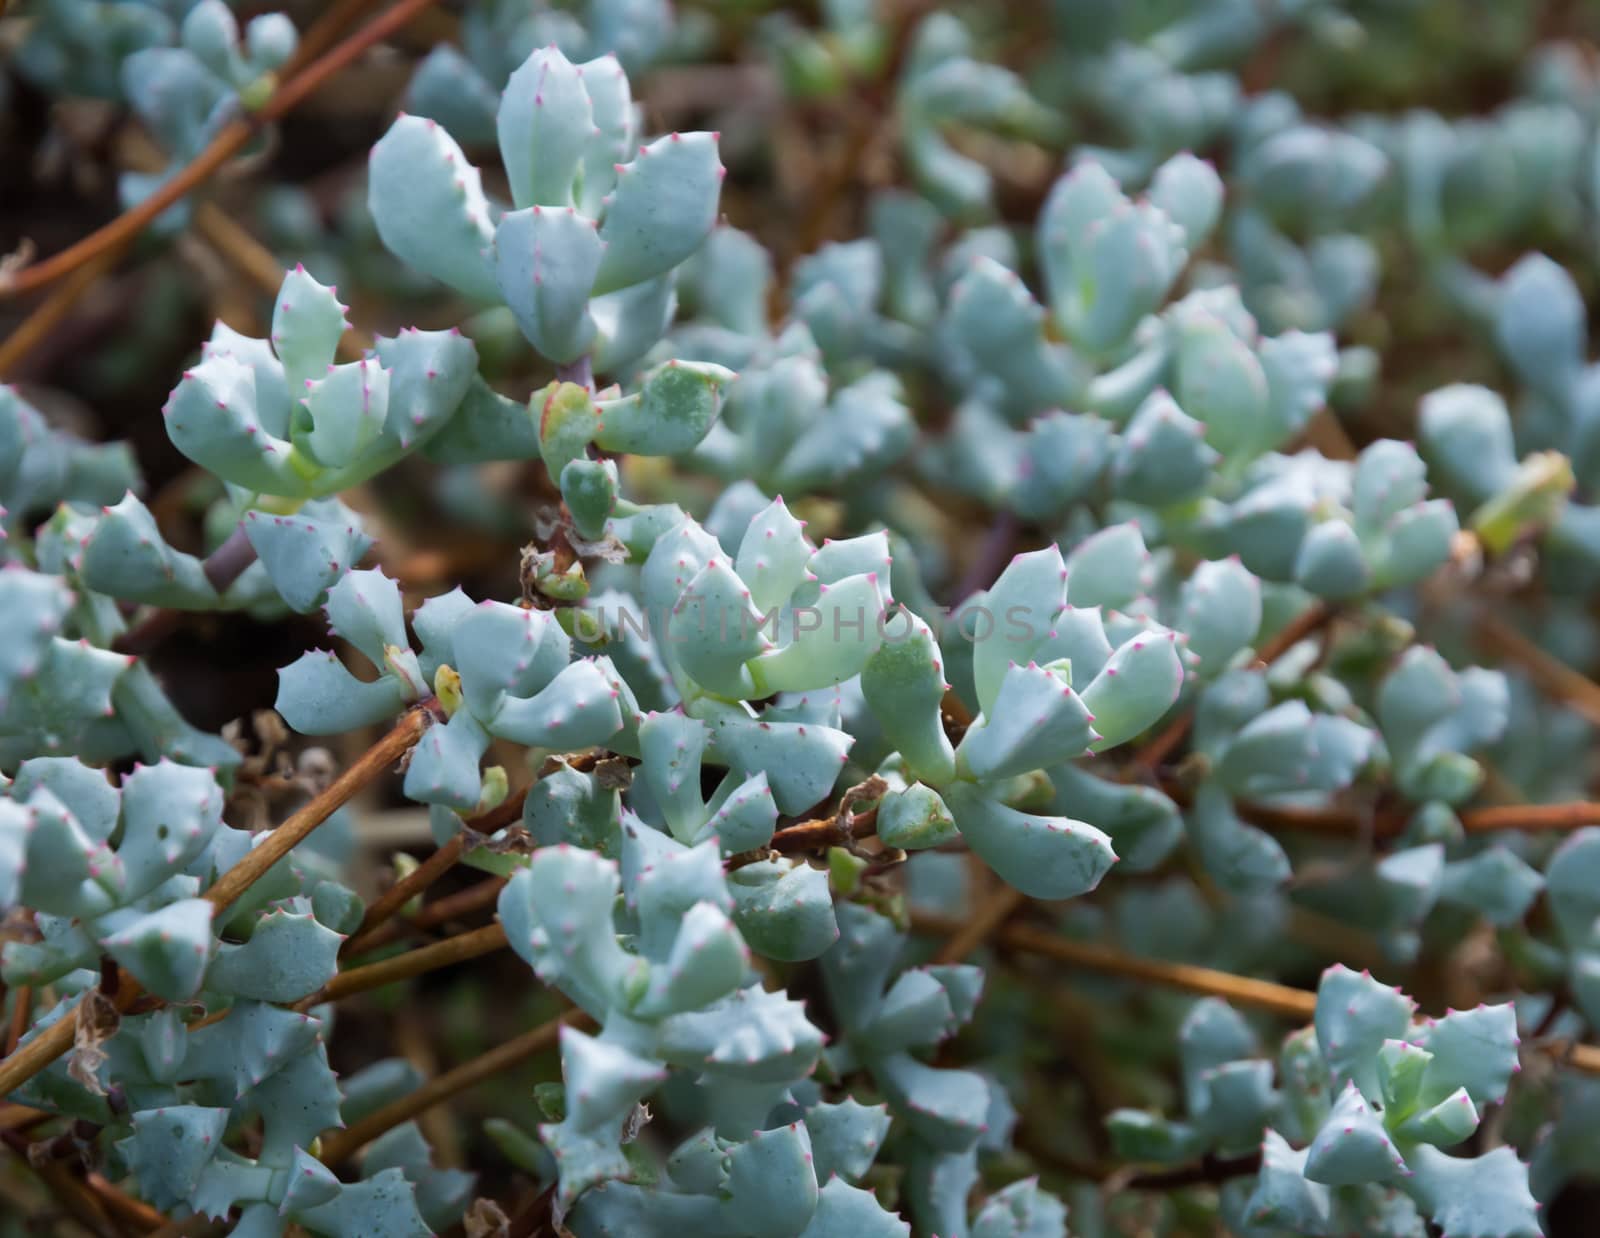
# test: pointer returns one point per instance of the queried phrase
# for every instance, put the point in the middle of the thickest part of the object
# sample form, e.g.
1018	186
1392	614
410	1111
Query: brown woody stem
439	911
341	1144
507	812
451	950
53	1041
227	143
981	925
1281	999
1159	750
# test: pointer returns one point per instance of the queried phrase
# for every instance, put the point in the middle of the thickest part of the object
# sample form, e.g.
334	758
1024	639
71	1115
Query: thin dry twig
1390	822
506	813
29	1059
407	888
131	1212
1554	677
981	925
446	953
20	1011
440	911
231	139
341	1144
840	828
369	766
1281	999
1159	750
49	313
81	1203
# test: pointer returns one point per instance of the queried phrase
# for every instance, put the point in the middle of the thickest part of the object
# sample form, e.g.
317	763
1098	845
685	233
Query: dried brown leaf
486	1219
96	1022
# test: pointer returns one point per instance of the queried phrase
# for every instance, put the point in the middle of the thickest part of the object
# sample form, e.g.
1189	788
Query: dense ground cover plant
947	679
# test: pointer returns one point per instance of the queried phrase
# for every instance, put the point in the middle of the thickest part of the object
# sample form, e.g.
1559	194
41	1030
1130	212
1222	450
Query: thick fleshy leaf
1353	1147
1475	1197
348	408
833	638
385	1204
1495	883
675	405
1541	324
430	373
427	202
212	419
486	426
743	814
317	695
1283	1195
1355	1015
1240	858
915	819
707	961
713	631
1036	721
81	789
845	1137
306	553
168	1149
1221	612
1107	568
664	205
771	1182
946	1108
443	768
579	708
1017	613
773	555
784	910
364	608
845	1211
1475	1050
287	957
1044	857
1331	562
561	886
307	321
56	866
751	1036
169	814
1220	383
545	261
545	123
1189	192
1139	683
502	650
1290	749
1162	458
126	556
166	950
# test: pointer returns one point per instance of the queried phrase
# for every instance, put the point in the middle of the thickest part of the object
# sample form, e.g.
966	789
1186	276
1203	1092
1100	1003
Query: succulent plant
1356	1129
585	258
950	1114
183	66
1011	532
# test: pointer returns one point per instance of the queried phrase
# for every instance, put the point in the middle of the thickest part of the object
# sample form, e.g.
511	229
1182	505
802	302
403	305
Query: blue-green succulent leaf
427	202
663	206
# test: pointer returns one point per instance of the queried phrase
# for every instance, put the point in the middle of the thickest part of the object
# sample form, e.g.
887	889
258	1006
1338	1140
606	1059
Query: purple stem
998	545
227	562
222	567
580	371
